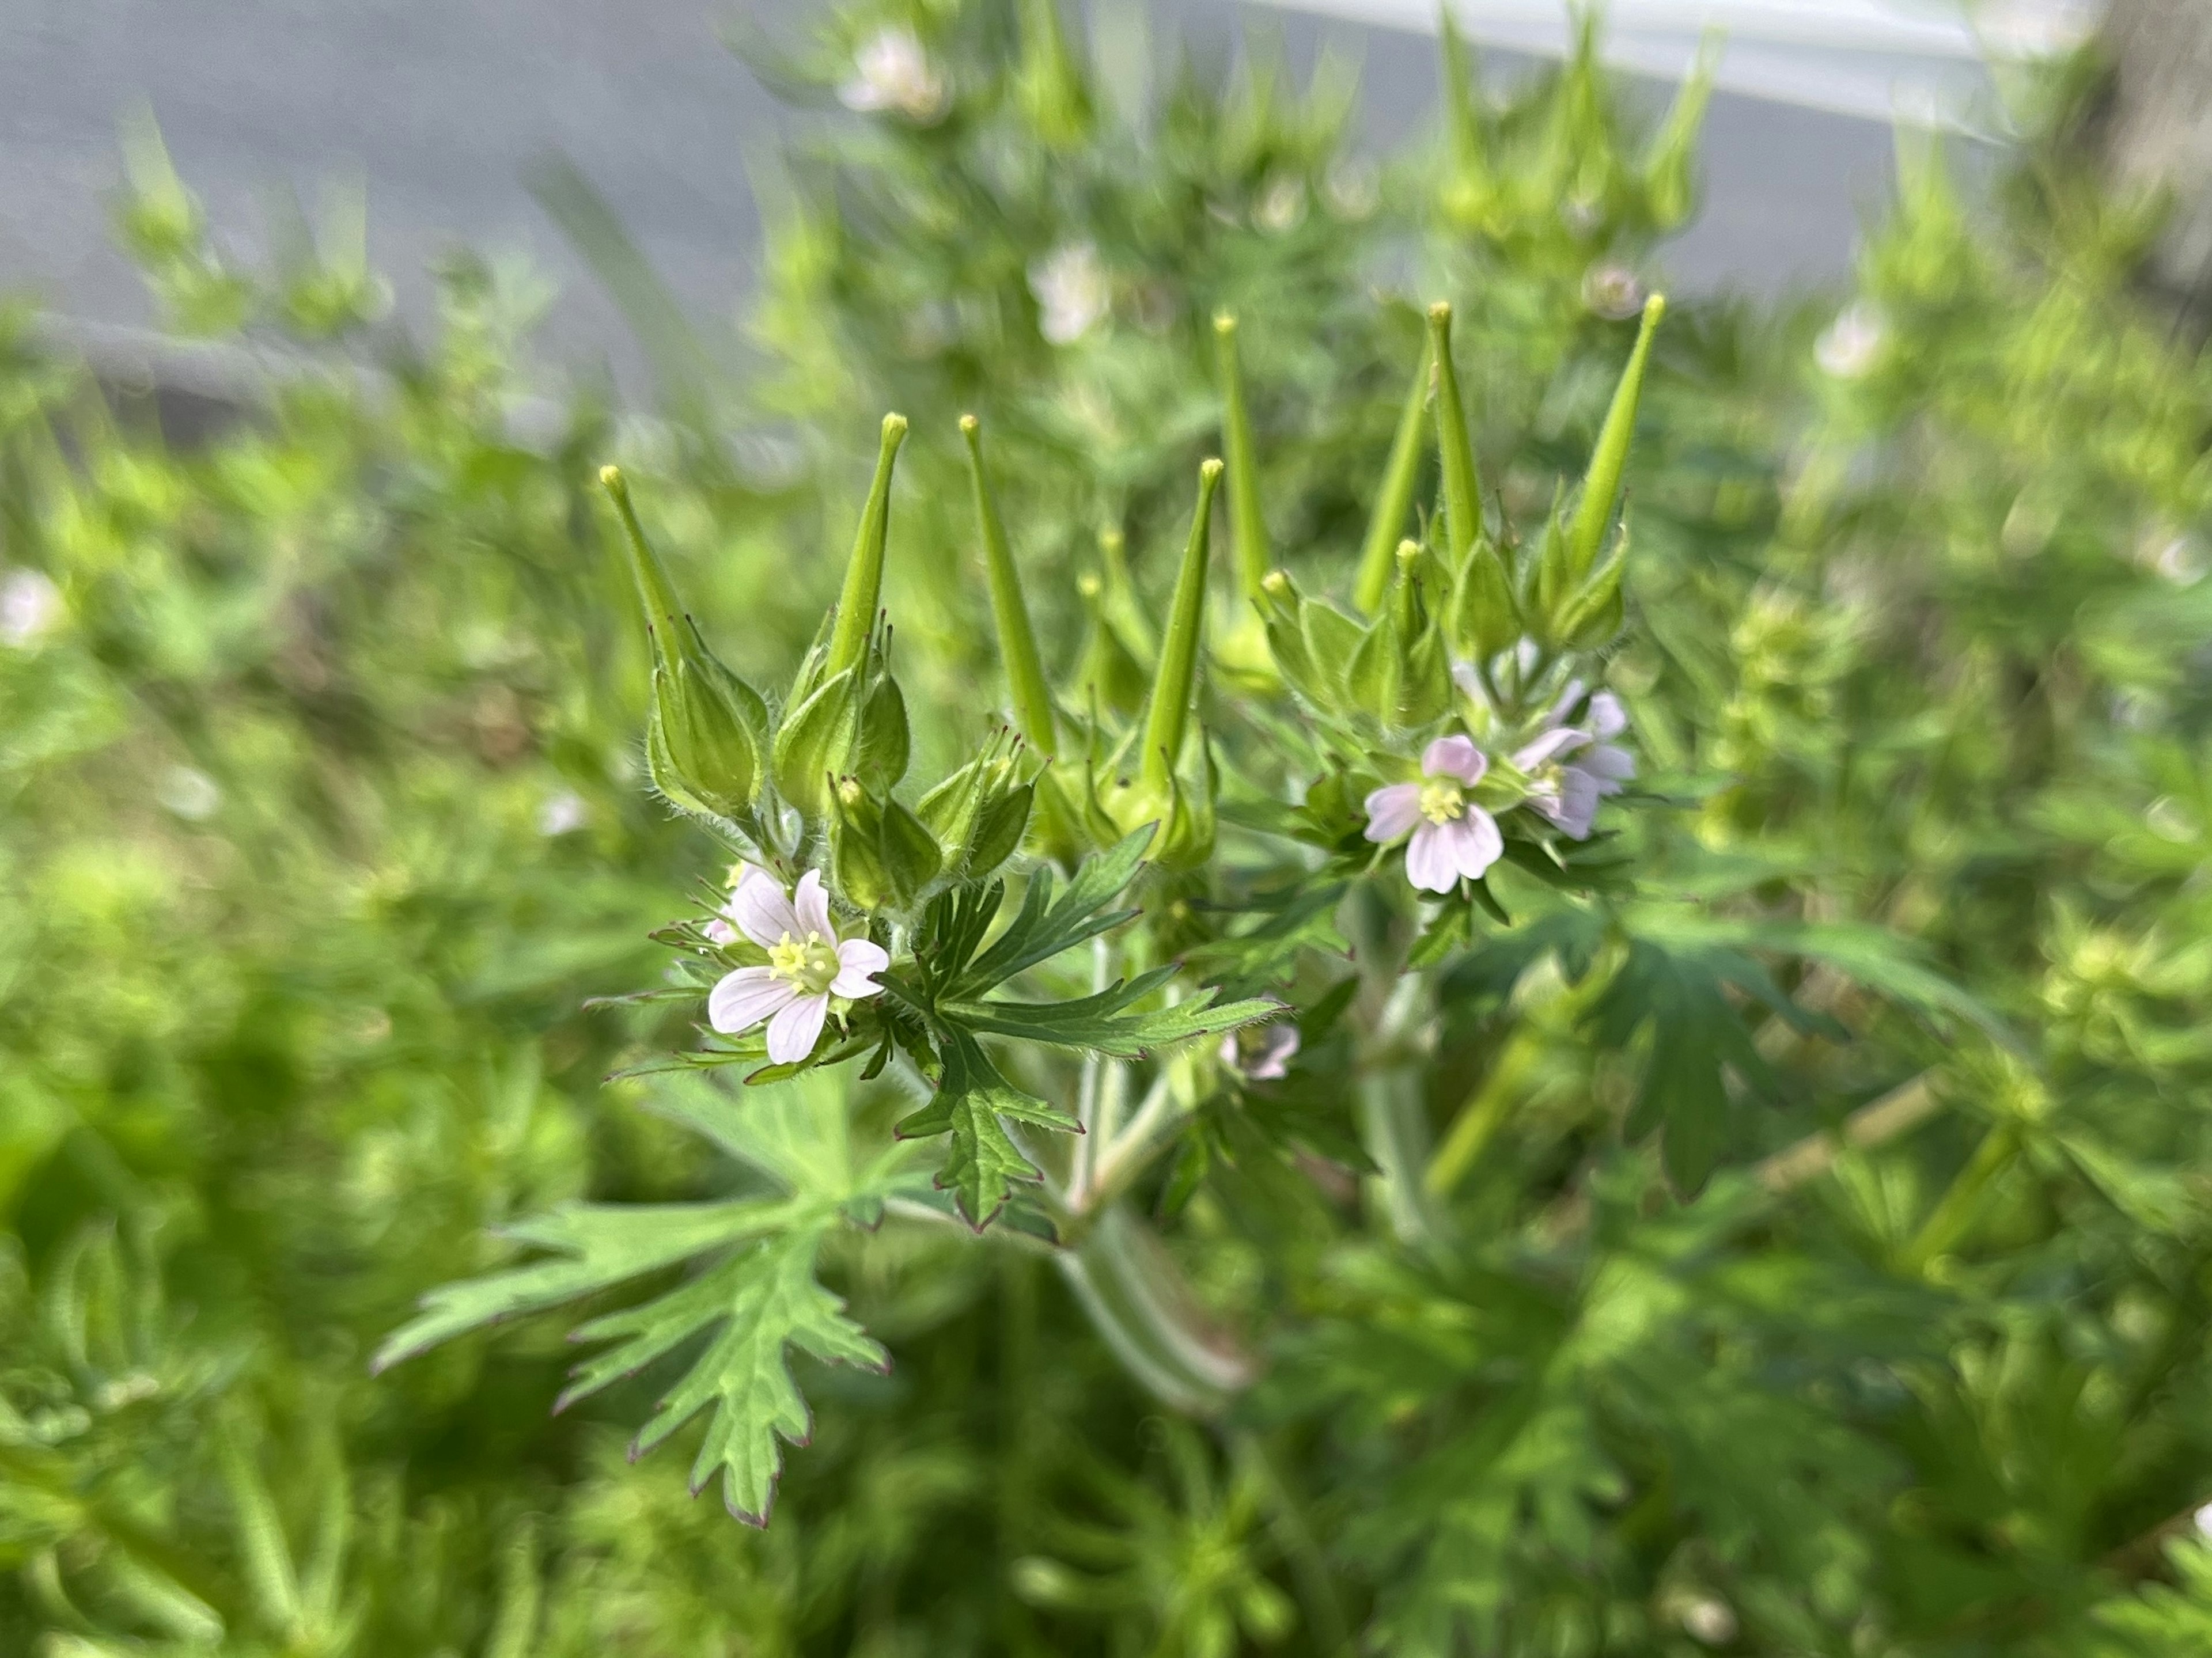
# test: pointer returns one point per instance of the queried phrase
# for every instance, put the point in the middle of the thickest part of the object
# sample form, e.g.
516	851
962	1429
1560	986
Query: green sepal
1484	619
810	745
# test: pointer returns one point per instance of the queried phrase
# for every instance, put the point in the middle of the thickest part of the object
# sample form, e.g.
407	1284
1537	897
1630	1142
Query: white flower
1612	291
807	964
1262	1053
190	793
1453	837
1567	791
30	605
1853	342
1282	205
2202	1521
1071	289
562	813
891	71
1709	1621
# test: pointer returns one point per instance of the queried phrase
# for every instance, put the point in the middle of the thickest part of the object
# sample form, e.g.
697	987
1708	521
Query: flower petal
811	905
792	1033
1548	745
1610	764
857	961
1607	717
720	932
1470	683
742	999
1429	862
1392	810
1474	842
762	912
1455	756
1565	705
1577	807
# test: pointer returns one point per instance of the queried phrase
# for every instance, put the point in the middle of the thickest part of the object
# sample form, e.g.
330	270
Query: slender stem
1955	1211
1482	1115
1153	1114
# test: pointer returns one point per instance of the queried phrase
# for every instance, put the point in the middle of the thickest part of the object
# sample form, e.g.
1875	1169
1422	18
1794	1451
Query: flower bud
706	730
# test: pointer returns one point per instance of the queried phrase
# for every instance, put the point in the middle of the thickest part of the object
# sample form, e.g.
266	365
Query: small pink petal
1548	745
858	962
1392	810
811	905
1565	705
763	914
1610	764
742	999
792	1033
1577	807
1474	842
1430	863
1607	717
1455	756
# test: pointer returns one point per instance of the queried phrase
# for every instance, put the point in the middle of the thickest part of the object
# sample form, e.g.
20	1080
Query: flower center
1441	801
808	965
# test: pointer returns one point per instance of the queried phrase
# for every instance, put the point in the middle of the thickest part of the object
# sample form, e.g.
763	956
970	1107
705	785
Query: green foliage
1772	1224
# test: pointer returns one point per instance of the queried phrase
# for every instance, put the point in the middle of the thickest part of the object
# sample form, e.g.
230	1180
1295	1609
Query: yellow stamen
807	964
1443	801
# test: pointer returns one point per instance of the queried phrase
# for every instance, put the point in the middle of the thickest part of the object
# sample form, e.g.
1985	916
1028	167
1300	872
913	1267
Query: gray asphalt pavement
438	107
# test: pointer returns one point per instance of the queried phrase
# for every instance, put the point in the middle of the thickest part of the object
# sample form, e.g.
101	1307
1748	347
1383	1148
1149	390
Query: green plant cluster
1759	1207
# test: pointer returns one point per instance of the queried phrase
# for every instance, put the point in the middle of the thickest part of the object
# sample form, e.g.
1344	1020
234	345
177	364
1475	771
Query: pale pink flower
1567	790
807	965
891	71
1262	1053
1453	837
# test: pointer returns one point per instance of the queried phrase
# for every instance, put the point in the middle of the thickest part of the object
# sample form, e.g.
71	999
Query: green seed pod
1400	474
1248	529
706	730
1667	164
1017	648
855	621
1167	715
1462	488
1601	486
